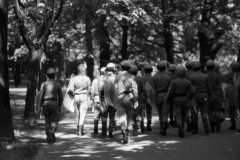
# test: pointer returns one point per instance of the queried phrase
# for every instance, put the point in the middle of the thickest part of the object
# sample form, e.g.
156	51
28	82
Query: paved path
149	146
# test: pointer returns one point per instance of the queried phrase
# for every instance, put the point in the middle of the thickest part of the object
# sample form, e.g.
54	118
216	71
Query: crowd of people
128	92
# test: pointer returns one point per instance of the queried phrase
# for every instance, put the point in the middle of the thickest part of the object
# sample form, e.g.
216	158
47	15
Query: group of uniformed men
127	92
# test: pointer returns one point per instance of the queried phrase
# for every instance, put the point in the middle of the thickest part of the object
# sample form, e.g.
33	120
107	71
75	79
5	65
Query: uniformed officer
233	93
51	99
108	87
148	78
216	96
80	87
172	70
180	93
125	96
138	116
162	83
201	92
189	66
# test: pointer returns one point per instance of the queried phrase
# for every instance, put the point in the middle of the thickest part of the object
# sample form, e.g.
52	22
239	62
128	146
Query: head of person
210	65
133	70
110	68
82	66
147	68
51	73
196	66
102	71
181	71
162	65
189	65
172	68
166	62
125	65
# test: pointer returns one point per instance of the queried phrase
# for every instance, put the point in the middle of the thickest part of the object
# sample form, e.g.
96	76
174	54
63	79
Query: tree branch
59	11
22	28
216	48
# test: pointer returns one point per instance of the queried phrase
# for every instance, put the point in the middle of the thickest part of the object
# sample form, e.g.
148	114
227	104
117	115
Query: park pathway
149	146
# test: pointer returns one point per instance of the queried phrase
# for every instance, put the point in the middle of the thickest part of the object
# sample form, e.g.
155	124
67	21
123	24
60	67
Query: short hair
51	76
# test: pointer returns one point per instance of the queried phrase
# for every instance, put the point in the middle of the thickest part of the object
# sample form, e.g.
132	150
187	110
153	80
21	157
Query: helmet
133	69
196	65
172	67
181	70
51	71
161	64
125	63
189	64
210	63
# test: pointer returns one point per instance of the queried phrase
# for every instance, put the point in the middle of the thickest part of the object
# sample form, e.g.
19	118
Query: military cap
210	63
133	69
110	67
166	62
51	71
189	64
125	63
172	67
161	64
235	66
181	70
196	65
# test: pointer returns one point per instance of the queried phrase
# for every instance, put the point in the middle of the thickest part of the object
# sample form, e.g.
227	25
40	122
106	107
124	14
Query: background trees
102	31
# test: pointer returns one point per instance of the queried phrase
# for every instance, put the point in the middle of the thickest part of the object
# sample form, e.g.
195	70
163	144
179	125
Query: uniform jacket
79	84
161	82
200	83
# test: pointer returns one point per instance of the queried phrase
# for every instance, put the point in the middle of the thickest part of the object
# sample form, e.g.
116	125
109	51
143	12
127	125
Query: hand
135	105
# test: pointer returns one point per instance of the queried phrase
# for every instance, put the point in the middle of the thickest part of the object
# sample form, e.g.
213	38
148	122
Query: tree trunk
102	35
32	85
168	43
89	46
6	126
124	51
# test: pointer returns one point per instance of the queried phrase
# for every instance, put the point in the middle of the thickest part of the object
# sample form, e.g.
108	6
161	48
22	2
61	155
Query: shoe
110	136
149	125
53	138
80	131
181	132
233	125
142	127
95	130
104	129
125	138
135	133
189	128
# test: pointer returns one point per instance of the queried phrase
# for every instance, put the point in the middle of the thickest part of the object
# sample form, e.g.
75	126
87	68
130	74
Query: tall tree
41	17
6	126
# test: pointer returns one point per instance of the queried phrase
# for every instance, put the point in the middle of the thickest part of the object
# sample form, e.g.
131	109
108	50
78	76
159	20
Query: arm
42	94
60	97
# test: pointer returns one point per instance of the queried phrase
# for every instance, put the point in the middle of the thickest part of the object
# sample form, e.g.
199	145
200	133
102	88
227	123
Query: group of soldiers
130	91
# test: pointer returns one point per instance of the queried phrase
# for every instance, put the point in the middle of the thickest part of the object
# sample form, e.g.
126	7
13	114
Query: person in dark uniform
148	78
51	99
189	66
138	116
172	70
180	93
216	96
162	83
233	93
201	95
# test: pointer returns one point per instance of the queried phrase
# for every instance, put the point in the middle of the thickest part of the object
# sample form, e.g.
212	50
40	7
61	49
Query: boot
104	129
53	138
110	131
181	132
233	124
125	138
142	126
149	125
164	129
48	139
95	130
129	134
206	126
194	129
77	131
212	127
80	131
189	127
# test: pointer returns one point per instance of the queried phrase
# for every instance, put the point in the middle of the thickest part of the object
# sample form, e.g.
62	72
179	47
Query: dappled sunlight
168	142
